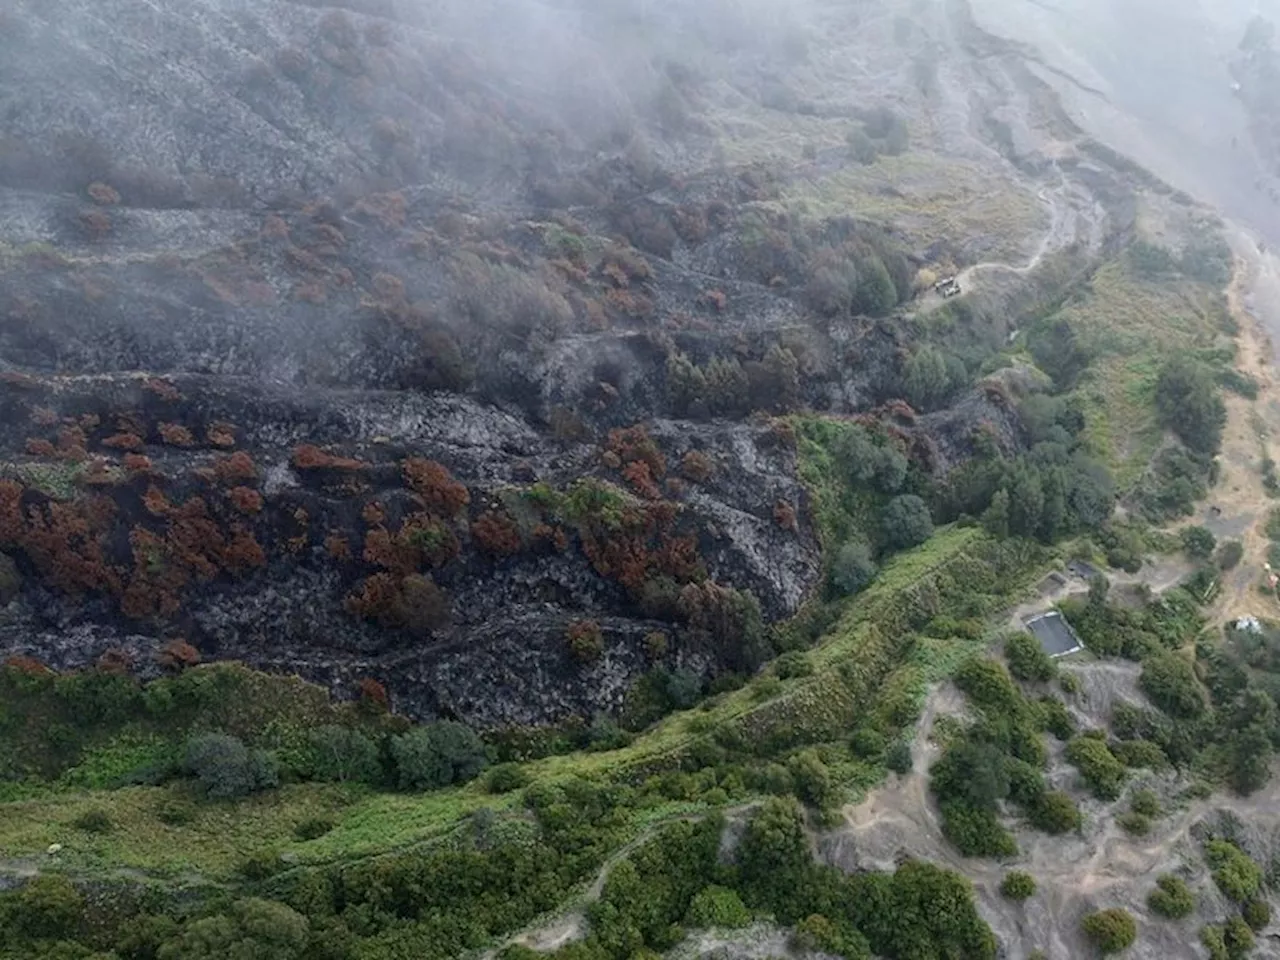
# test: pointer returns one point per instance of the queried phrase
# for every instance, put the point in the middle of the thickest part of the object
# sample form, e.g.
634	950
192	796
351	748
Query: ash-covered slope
443	344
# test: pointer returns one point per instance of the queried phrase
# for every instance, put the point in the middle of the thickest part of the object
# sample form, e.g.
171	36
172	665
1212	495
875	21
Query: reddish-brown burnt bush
638	475
373	694
412	602
246	499
125	441
237	467
155	502
243	553
27	665
496	533
103	195
114	660
585	640
177	655
222	435
135	464
784	515
373	513
634	443
40	448
176	435
338	547
697	467
431	481
162	389
95	224
310	457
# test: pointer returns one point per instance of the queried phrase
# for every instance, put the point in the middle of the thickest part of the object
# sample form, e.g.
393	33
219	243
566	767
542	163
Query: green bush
1146	803
341	754
224	767
1135	824
1104	774
1190	405
1069	683
176	813
1198	542
506	777
818	934
867	743
1017	885
907	522
96	820
1027	659
1238	937
1256	913
1055	813
1229	555
898	757
792	664
1171	898
1111	930
976	832
313	829
435	756
1170	681
1235	873
715	906
1142	754
1056	718
46	907
853	568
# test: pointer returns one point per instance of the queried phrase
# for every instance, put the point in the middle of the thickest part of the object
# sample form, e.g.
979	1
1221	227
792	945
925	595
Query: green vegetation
1027	659
1098	766
1172	897
995	759
1017	885
1235	873
1111	931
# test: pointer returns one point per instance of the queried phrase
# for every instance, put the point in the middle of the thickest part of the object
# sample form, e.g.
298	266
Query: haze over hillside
621	479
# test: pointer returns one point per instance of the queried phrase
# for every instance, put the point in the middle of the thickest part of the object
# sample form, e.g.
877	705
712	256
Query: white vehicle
948	287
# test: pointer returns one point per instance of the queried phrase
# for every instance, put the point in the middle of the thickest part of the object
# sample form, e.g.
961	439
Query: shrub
341	754
907	521
1097	765
313	829
868	742
1055	812
1238	937
853	568
506	777
1198	542
1111	930
792	664
436	756
1230	554
224	767
1027	659
1146	803
585	640
1171	898
1140	753
176	813
1189	404
976	832
1170	681
1018	885
1137	824
1256	913
96	820
817	933
898	757
715	906
1069	683
1056	718
1235	873
48	907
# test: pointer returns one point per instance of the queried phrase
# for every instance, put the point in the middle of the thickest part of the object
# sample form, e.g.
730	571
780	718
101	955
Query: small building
1248	625
1056	637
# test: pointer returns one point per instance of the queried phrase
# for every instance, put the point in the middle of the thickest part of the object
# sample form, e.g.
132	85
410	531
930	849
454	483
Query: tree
907	522
972	772
435	756
774	860
1097	765
1111	930
48	907
254	930
1170	681
996	518
715	906
924	378
1198	542
1172	897
853	567
1188	401
1027	659
1017	885
1256	913
342	754
224	767
898	757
